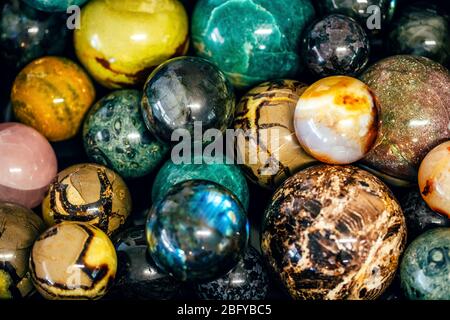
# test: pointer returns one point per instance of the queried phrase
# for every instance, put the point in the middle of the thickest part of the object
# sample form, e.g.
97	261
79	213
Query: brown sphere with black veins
334	232
414	96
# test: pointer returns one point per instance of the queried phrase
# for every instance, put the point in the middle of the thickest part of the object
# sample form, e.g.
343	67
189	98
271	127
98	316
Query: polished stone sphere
197	232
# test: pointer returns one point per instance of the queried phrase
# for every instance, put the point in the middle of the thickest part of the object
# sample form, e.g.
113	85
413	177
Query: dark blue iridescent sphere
197	232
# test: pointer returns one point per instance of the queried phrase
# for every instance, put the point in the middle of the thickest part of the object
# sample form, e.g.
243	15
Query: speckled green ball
115	135
251	41
227	175
54	5
425	269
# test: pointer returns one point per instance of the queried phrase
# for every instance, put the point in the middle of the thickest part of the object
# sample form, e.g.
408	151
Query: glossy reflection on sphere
52	95
186	90
336	120
89	193
54	5
414	97
27	34
198	232
426	265
201	168
19	229
27	165
421	30
247	281
120	42
266	115
334	232
137	276
73	261
252	41
115	135
434	179
336	45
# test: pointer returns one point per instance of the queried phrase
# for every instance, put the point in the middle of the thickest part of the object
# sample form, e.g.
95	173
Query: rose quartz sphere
27	165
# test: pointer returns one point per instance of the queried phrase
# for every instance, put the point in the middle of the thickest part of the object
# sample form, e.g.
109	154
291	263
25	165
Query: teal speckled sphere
227	175
115	135
425	269
251	41
54	5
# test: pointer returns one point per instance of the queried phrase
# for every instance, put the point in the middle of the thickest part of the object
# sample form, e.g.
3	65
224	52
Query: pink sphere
27	165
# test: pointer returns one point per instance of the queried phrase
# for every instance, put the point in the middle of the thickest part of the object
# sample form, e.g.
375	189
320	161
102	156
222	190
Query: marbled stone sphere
54	5
115	135
247	281
336	120
252	41
434	179
197	232
27	165
336	45
425	266
201	168
414	96
184	91
421	30
27	34
334	232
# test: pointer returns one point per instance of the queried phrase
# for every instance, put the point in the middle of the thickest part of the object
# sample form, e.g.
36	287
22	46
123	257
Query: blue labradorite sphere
197	232
201	168
252	41
425	268
115	135
54	5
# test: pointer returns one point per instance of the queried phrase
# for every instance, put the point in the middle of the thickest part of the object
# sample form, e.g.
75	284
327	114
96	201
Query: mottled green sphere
251	41
227	175
425	269
115	135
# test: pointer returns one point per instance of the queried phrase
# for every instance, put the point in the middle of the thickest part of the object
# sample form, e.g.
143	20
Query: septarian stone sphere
425	266
434	179
197	232
336	120
334	232
252	41
414	96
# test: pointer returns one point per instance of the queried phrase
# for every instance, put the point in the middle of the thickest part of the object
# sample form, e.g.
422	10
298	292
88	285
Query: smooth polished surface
247	281
251	41
197	232
52	95
201	168
137	275
27	34
27	165
19	228
421	30
414	96
89	193
336	120
73	261
419	216
334	232
115	135
434	179
121	42
54	5
183	91
336	45
363	11
267	143
426	265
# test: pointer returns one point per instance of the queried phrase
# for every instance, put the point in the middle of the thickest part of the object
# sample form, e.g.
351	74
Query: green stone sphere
115	135
425	269
54	5
252	41
227	175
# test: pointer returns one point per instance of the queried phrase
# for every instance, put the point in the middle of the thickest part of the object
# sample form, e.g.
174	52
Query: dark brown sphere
334	232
